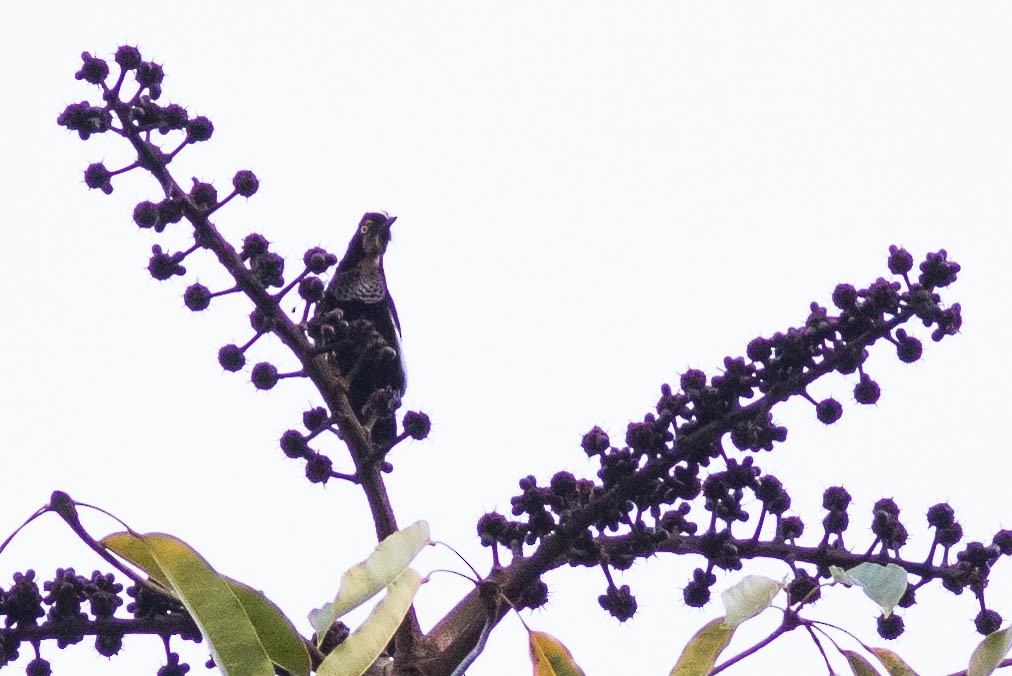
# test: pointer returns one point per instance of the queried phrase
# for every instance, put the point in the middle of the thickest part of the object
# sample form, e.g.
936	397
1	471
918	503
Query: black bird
358	318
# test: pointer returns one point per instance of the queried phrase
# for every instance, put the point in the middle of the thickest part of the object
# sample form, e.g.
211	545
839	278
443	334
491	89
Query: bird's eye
364	229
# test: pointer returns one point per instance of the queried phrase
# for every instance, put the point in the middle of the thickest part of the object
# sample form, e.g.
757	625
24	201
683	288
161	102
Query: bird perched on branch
358	319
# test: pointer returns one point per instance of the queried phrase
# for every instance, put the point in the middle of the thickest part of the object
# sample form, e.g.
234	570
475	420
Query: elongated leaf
701	652
273	631
748	598
364	645
885	585
283	643
858	664
136	552
230	634
990	652
892	662
550	657
363	581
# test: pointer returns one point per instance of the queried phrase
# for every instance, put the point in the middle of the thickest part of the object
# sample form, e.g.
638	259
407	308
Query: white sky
592	198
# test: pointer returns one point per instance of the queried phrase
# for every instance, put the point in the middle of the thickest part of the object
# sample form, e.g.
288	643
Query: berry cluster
647	488
328	349
57	612
324	346
673	484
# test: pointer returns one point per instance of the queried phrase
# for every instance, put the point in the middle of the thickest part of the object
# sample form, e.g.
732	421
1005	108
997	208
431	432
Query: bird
358	291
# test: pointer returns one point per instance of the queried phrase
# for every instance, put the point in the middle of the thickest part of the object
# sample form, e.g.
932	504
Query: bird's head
372	236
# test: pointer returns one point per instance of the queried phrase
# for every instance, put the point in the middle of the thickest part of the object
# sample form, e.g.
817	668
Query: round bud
595	442
253	245
890	627
231	358
38	667
987	621
197	297
908	348
900	260
264	376
204	195
128	57
163	266
96	176
294	444
317	260
318	468
146	214
866	391
260	321
245	183
311	289
150	75
845	296
828	411
417	425
199	129
315	418
94	70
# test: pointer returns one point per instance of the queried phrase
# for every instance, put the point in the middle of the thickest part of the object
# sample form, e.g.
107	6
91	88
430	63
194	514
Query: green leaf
134	550
892	662
748	598
989	654
230	634
357	653
885	585
366	579
858	664
241	624
550	657
702	650
276	632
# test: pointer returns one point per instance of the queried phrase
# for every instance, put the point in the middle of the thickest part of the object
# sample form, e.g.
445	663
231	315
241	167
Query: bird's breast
363	286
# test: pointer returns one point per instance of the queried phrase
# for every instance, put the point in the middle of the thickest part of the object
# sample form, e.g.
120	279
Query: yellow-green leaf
701	652
748	598
210	599
355	655
283	643
990	652
550	657
275	631
858	664
885	585
136	552
892	662
366	579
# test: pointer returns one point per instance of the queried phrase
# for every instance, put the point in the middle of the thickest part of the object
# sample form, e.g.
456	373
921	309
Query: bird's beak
390	221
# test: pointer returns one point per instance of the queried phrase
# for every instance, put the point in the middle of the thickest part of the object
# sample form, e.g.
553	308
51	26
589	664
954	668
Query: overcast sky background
592	198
